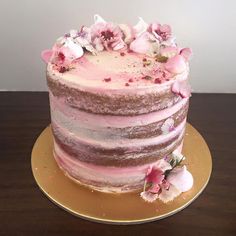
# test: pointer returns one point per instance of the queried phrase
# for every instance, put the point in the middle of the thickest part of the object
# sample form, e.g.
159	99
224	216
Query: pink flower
161	32
65	51
106	35
154	175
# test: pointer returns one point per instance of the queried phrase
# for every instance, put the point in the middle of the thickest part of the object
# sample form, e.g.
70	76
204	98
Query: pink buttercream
88	119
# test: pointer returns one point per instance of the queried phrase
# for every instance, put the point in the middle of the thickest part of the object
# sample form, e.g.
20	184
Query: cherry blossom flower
162	33
65	51
106	35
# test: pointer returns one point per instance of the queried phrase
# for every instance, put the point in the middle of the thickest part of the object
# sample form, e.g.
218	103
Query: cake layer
102	178
100	88
120	152
106	127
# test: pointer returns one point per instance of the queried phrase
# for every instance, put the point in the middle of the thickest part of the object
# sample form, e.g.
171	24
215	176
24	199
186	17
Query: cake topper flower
106	35
167	179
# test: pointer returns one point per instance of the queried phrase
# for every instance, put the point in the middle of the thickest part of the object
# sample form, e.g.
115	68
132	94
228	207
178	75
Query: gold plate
126	208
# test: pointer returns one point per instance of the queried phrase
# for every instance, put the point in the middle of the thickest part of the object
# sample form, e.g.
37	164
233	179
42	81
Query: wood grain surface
24	210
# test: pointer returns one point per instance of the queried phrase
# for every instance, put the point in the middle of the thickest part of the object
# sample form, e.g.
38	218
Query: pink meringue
141	44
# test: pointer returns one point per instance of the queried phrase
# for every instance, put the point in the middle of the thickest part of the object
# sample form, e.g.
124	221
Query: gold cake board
126	208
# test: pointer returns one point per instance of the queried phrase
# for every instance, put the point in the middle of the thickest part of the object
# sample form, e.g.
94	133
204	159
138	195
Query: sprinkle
107	79
147	77
63	69
126	84
144	59
157	81
146	63
122	54
161	59
61	56
131	80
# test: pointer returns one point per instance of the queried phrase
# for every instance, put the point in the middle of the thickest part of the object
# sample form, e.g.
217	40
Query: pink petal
186	53
182	88
118	45
176	64
155	176
165	29
149	197
46	55
141	44
170	194
155	188
181	178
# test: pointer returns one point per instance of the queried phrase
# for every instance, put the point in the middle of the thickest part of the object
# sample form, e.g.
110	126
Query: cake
119	98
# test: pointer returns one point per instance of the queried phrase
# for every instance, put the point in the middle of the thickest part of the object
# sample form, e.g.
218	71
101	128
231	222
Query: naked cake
119	98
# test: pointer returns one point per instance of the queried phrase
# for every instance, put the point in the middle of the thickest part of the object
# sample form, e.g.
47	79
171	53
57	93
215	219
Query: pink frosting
88	119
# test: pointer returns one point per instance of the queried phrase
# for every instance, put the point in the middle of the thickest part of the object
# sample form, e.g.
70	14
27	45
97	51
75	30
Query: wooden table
24	210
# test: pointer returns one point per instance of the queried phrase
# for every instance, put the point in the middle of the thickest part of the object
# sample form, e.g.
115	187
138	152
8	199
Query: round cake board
126	208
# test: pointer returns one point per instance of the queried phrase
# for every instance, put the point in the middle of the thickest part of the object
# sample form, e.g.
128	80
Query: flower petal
176	64
163	165
181	178
170	194
46	55
140	44
149	197
186	53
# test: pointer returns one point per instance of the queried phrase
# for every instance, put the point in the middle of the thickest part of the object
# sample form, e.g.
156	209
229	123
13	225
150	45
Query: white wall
29	26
